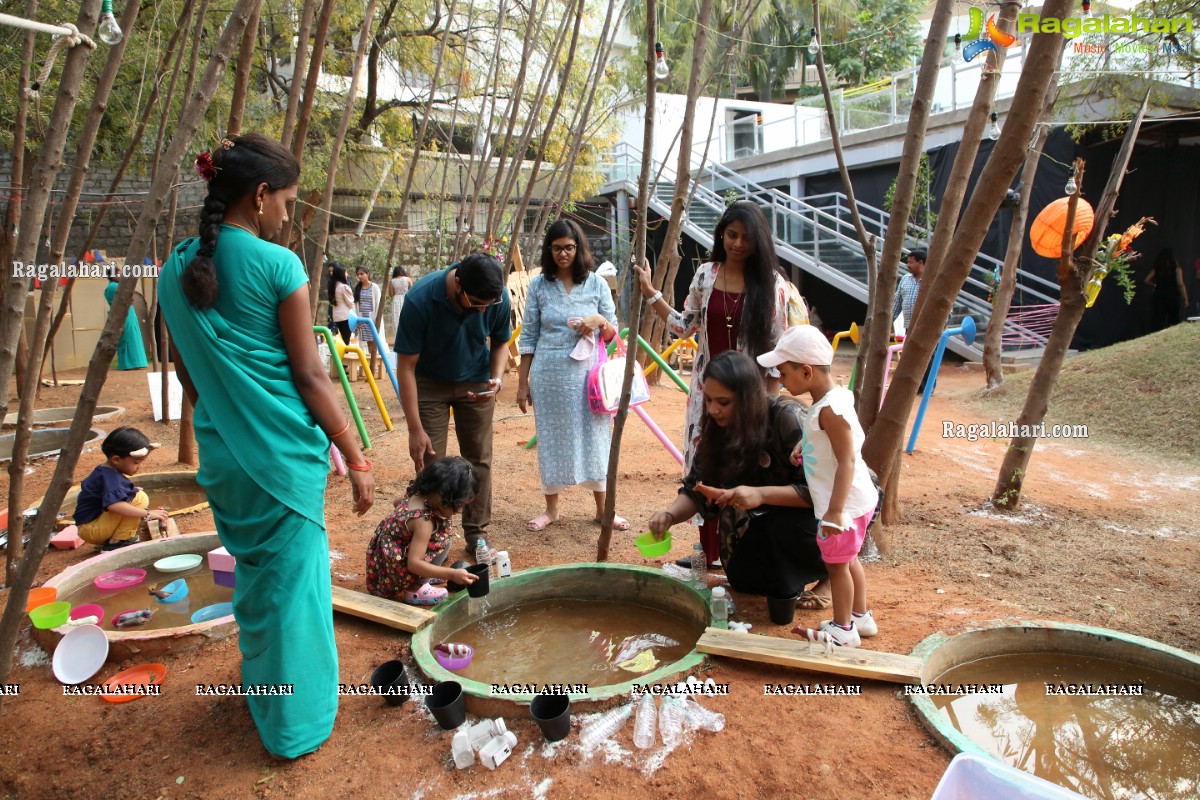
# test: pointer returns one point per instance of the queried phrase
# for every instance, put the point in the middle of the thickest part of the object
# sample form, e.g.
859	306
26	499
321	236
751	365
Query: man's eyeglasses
470	303
562	249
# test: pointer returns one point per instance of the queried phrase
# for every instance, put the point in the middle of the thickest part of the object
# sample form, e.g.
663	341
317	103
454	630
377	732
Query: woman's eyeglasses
562	249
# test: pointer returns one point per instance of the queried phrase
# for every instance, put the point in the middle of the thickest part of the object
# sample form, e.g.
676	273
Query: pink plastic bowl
89	610
120	579
454	664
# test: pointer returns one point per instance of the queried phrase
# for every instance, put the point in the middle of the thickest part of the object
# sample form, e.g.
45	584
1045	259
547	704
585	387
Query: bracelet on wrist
672	516
345	428
363	467
654	298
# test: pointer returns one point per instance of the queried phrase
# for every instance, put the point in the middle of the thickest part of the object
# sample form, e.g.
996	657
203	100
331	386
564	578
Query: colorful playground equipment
851	334
892	350
966	329
336	357
381	344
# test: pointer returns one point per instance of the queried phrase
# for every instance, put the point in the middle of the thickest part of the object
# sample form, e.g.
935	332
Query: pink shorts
843	548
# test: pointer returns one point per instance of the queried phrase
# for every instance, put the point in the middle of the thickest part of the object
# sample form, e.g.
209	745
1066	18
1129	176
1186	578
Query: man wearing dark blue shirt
451	351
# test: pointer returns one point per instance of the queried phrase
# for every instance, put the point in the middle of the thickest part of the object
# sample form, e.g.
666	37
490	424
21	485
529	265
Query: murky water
174	498
1103	747
202	591
574	641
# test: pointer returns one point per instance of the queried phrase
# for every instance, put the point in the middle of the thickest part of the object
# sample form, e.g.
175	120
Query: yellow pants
110	527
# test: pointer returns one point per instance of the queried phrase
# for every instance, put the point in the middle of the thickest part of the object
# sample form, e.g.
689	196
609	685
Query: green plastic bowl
650	547
50	615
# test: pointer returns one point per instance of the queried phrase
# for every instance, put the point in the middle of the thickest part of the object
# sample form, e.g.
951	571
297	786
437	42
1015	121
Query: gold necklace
725	307
241	227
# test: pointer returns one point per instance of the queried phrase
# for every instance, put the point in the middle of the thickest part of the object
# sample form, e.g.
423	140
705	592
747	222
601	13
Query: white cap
802	344
718	591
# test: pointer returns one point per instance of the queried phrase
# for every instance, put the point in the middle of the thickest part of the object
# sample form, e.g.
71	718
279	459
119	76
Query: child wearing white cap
110	509
843	494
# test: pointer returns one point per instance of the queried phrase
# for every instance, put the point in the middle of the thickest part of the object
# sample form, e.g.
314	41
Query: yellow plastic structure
342	349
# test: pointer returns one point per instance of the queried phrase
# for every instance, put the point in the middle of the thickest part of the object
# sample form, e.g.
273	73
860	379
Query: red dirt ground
1107	538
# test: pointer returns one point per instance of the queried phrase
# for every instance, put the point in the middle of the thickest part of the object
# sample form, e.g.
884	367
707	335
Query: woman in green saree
240	325
131	353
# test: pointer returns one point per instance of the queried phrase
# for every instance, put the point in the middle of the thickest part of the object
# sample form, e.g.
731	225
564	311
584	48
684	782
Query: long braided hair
250	159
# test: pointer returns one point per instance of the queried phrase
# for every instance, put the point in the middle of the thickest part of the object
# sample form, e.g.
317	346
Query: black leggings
343	328
778	555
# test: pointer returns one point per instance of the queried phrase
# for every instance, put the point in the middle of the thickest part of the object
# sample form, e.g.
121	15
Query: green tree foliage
922	218
884	37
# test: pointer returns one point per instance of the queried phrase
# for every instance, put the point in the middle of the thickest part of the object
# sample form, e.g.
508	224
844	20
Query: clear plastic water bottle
612	721
483	554
719	605
644	723
700	717
699	566
670	720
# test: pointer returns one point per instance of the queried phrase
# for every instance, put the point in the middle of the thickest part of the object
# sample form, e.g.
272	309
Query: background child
411	544
842	492
110	509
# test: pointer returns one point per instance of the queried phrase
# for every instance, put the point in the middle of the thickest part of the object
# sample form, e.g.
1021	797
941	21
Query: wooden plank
857	663
376	609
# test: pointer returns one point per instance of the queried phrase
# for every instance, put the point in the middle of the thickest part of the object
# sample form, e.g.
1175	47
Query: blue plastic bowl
176	589
212	612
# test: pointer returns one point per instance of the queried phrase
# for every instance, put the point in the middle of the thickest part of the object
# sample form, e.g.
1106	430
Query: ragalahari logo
985	40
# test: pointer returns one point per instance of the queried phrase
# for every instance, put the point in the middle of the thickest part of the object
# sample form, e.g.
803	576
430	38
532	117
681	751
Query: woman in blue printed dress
569	312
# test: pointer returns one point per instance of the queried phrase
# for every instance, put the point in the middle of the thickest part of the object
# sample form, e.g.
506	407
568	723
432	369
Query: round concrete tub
142	644
596	582
61	414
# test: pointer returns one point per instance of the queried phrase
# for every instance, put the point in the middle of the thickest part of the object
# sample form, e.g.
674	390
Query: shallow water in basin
202	591
573	642
1103	744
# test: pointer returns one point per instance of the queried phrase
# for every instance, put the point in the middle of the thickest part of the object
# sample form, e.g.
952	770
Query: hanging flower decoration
1116	258
205	167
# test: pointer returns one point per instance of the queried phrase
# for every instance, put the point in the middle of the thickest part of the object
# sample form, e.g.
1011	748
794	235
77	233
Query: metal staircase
815	234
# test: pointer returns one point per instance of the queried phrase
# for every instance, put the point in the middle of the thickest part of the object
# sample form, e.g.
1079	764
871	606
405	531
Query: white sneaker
827	631
865	625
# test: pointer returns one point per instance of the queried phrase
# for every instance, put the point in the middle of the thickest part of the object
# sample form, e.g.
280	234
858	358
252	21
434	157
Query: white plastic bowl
80	654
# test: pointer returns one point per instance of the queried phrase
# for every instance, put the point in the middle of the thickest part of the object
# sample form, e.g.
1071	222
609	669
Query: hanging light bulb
1087	8
1071	187
957	42
661	70
994	131
109	31
813	45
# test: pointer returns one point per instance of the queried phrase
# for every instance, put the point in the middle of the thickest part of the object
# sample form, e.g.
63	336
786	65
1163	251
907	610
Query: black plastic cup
479	588
455	586
552	713
447	705
782	609
391	680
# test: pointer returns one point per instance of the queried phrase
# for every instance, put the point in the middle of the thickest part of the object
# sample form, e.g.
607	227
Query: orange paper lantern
1047	230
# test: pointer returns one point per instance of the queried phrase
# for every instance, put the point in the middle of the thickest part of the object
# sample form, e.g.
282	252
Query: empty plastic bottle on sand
720	605
700	717
670	720
644	723
595	733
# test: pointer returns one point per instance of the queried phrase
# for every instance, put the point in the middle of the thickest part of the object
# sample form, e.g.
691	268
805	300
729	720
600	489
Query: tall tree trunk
882	446
424	127
874	340
37	198
360	55
20	166
499	201
1002	299
299	63
1073	275
670	256
185	132
964	160
639	253
241	77
304	114
563	82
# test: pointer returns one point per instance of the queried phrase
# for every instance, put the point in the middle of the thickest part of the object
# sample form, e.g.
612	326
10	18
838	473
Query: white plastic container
972	777
482	732
503	564
496	751
460	748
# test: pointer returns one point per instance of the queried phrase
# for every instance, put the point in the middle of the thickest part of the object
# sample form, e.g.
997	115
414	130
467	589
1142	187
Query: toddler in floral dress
411	544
